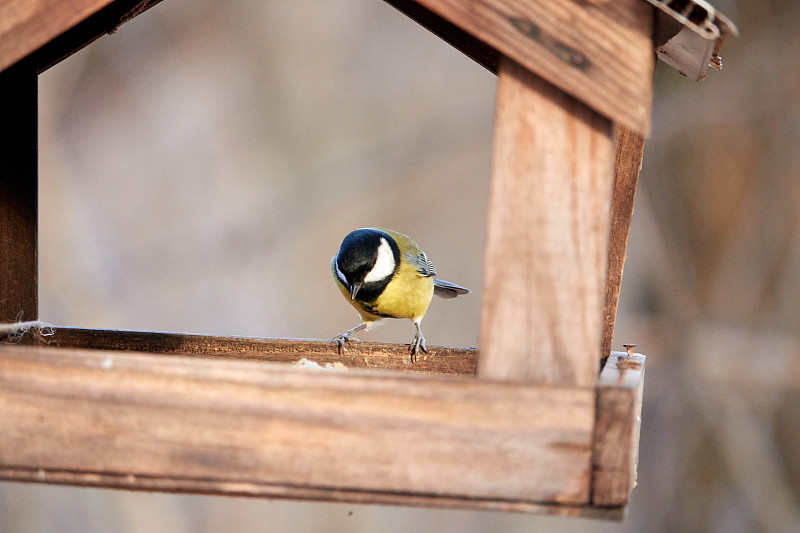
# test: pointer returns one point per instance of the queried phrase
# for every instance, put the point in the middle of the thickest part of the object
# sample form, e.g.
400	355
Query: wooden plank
616	439
600	52
26	25
58	29
18	192
217	426
544	269
629	148
361	355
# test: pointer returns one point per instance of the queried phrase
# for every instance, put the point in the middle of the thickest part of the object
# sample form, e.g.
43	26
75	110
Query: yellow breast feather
409	298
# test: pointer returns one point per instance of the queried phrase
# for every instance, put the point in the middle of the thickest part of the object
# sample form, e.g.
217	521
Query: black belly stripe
371	310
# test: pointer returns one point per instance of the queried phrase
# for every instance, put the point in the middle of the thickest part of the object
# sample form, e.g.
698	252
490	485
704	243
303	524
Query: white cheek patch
340	274
384	266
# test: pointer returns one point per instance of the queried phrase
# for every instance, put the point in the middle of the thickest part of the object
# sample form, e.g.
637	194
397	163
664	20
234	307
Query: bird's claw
342	338
416	345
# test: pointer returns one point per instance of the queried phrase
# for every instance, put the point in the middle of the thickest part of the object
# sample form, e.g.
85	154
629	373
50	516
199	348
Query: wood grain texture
26	25
616	439
54	30
598	52
18	192
629	148
361	355
218	426
544	269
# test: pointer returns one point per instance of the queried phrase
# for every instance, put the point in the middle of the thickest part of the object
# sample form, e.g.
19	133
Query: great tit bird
384	274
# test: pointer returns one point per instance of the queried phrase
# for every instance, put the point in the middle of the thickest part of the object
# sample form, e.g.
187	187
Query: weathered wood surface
57	29
629	148
614	454
361	355
600	52
233	426
616	439
547	233
18	192
26	25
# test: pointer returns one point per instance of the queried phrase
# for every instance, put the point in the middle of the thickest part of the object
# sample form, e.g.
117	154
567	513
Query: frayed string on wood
12	333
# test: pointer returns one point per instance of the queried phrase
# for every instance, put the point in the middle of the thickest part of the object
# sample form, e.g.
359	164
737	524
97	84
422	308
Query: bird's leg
418	343
341	338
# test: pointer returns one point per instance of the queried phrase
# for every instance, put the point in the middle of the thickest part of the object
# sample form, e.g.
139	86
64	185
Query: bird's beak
354	290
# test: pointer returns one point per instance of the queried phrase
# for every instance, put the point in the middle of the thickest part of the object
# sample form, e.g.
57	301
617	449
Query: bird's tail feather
445	289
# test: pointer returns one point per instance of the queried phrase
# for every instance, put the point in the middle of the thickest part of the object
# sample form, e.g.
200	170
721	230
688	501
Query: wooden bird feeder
527	423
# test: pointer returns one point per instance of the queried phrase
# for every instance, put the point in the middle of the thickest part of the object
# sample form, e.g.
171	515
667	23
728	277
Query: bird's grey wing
423	264
445	289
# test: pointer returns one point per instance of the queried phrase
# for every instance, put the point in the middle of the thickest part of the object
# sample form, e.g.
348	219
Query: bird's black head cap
357	257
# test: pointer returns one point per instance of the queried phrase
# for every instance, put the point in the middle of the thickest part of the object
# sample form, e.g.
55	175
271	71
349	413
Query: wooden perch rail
355	355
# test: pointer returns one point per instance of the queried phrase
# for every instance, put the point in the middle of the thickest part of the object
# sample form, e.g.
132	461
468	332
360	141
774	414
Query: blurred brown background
199	168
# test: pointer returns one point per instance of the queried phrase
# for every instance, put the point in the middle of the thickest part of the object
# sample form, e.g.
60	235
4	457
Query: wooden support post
627	162
547	235
18	191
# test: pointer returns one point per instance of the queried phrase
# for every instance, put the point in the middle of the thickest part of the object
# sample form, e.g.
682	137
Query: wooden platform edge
203	425
617	426
615	437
